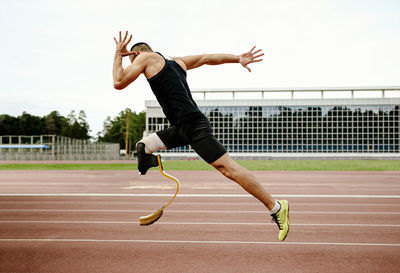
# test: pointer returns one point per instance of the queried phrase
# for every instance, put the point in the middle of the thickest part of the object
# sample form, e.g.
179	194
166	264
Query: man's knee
228	169
153	143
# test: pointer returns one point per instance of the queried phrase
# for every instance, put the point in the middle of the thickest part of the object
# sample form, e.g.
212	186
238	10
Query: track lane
151	257
199	232
199	241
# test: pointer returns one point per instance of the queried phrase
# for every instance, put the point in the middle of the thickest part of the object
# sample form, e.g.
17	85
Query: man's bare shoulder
180	61
145	57
153	62
153	56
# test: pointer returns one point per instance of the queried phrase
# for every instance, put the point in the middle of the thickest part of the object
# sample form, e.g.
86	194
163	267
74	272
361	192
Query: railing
292	91
24	146
53	147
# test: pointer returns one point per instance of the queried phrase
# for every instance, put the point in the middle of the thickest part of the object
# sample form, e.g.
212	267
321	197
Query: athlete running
167	79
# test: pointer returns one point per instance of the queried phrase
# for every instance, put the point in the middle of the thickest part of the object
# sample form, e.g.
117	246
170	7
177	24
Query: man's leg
212	151
279	209
162	140
145	147
232	170
152	143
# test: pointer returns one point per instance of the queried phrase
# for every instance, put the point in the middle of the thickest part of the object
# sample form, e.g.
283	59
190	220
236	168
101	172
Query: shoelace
276	220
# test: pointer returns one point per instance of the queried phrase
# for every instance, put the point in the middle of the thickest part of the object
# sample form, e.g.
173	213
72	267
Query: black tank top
172	92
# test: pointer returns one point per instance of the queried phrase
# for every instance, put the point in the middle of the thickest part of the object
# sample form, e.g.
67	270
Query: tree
8	125
83	125
31	125
126	129
53	123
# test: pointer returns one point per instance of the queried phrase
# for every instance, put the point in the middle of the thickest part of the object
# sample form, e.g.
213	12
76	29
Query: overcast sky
58	54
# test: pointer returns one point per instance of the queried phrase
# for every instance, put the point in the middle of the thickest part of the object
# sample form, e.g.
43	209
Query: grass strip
265	165
67	166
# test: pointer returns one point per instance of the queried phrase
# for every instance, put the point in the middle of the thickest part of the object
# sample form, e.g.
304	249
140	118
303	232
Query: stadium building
297	123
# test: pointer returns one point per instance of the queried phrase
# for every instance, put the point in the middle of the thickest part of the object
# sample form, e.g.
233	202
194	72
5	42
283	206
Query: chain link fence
53	147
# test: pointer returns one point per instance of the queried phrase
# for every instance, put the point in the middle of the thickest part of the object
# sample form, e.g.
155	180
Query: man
167	79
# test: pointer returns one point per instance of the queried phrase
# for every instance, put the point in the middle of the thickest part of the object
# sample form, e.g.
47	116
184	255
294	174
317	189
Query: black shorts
197	132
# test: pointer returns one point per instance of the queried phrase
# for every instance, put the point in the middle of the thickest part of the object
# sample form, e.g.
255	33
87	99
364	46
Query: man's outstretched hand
121	45
250	57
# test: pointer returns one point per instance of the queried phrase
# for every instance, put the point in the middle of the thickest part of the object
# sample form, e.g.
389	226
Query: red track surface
197	234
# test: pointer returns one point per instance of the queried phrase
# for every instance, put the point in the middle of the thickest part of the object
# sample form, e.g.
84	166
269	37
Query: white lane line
197	242
194	223
199	211
255	203
194	195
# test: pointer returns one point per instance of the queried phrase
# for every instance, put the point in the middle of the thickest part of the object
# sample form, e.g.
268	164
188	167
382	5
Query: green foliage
115	130
9	124
53	123
77	127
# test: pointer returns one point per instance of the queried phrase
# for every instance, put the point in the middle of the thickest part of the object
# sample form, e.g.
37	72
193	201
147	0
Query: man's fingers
128	53
256	61
255	57
254	53
126	35
129	40
120	36
115	40
252	49
247	67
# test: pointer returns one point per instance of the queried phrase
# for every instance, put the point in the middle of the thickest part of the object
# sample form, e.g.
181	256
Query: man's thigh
172	138
208	148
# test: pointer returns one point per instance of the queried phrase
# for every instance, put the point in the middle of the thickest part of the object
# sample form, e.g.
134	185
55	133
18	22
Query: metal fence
53	147
351	125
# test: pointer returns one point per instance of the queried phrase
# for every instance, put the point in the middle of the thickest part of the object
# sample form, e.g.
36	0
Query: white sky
58	54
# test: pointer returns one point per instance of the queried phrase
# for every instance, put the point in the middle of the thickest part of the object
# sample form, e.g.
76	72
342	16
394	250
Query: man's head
141	47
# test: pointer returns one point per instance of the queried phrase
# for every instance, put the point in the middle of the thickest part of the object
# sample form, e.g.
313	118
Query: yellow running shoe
281	218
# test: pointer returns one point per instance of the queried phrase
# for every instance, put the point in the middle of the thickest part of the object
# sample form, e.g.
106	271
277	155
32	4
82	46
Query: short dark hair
141	46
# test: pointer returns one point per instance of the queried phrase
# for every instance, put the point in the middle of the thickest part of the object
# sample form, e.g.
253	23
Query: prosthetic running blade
151	218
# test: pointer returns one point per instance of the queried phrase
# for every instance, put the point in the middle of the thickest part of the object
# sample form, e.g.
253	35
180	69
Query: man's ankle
276	208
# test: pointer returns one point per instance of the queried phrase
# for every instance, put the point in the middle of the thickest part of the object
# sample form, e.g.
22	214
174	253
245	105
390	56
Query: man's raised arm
215	59
123	77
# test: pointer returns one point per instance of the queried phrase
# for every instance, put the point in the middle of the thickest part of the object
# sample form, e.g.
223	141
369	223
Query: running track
87	221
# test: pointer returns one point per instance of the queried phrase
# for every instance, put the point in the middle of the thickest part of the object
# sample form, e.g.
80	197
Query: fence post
58	148
41	143
19	142
52	147
64	143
